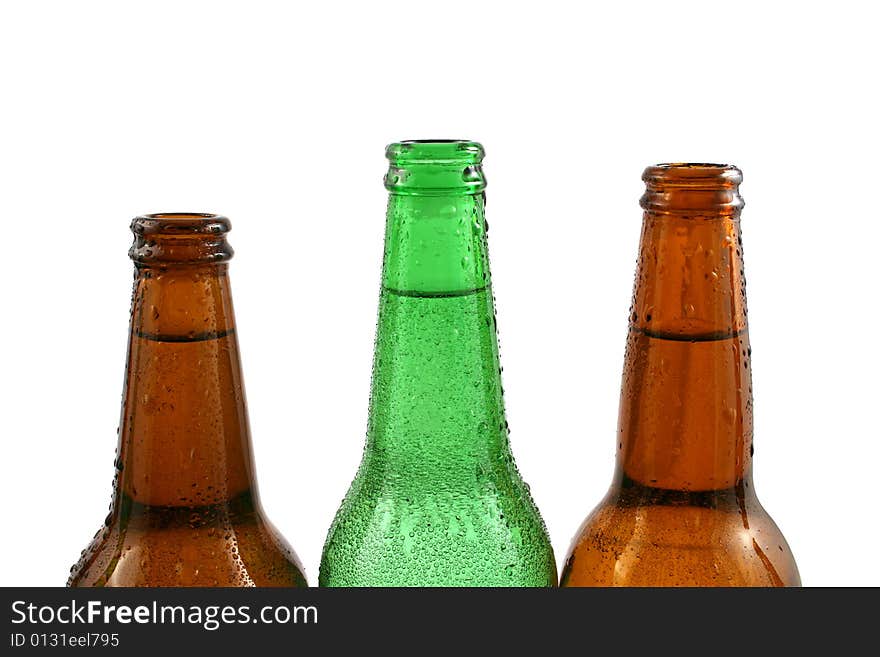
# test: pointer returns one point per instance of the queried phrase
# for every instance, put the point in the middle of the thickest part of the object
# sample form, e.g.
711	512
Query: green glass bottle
437	500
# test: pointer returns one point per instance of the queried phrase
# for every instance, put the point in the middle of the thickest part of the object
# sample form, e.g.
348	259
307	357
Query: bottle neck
435	245
184	439
436	393
686	400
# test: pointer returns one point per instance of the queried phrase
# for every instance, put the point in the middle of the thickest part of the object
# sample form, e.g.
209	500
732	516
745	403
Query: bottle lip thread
435	167
180	238
692	188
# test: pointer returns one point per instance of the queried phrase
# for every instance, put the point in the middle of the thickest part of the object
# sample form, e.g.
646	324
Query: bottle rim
435	167
168	239
692	188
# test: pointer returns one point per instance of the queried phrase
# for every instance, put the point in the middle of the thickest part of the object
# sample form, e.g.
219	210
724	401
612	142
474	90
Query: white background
277	115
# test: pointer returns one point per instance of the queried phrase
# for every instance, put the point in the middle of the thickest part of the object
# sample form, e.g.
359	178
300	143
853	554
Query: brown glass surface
185	509
682	509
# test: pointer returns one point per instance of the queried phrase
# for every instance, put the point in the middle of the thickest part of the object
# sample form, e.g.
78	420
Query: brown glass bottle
185	509
682	509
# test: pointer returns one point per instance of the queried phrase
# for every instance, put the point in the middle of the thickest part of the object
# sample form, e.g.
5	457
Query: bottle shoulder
484	535
246	552
625	544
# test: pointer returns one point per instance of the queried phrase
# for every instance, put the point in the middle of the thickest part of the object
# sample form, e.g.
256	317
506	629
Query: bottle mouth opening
180	224
182	216
693	174
693	165
435	151
436	141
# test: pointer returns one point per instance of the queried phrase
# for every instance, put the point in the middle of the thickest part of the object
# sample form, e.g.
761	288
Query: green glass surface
437	500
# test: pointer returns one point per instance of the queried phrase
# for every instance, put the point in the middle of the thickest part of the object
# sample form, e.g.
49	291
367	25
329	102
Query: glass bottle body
185	509
682	509
437	500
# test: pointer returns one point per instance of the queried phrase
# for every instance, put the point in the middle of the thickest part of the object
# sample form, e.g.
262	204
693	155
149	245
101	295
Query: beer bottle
185	509
682	509
437	500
